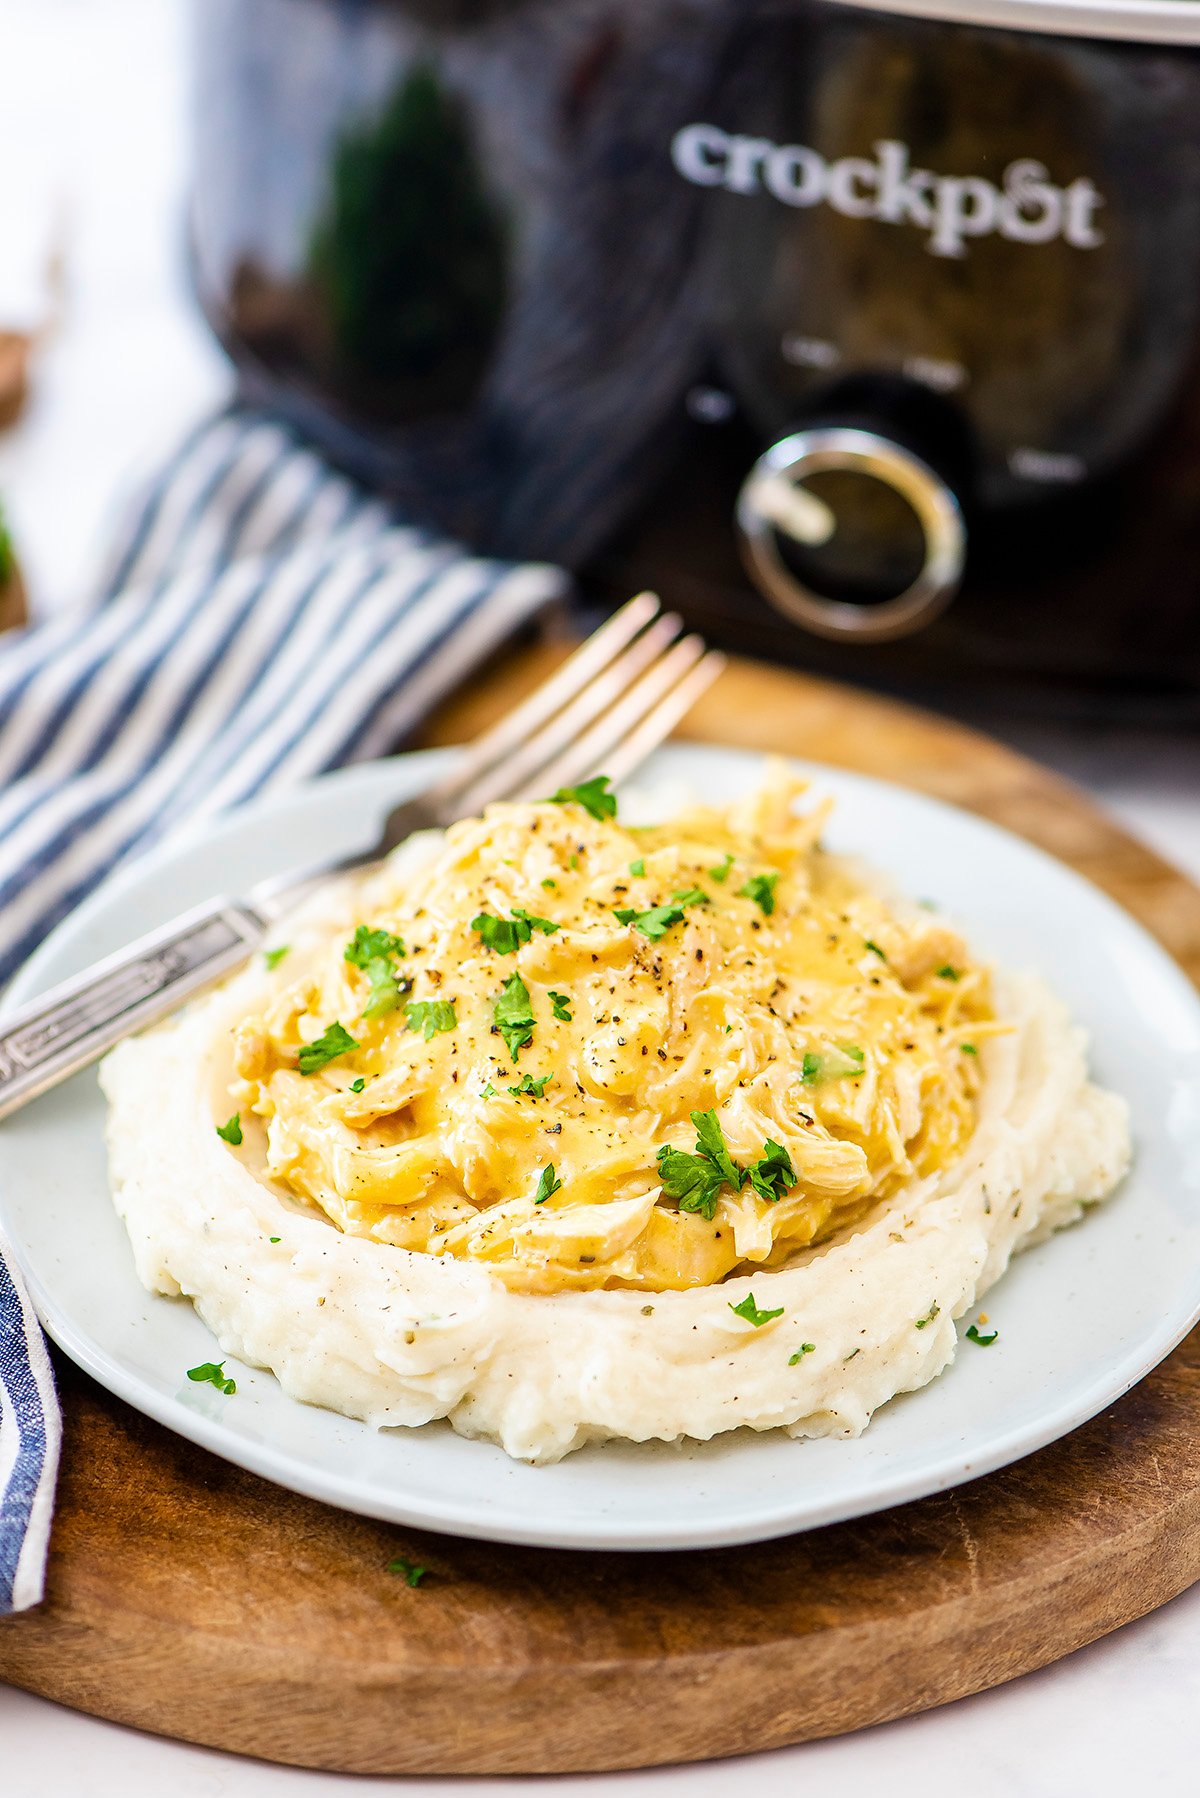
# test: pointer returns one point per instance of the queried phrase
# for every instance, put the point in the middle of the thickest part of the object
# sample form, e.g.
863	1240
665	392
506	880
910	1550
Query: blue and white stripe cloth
266	619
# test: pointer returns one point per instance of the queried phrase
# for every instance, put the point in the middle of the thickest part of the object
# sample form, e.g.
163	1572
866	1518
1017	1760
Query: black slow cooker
868	337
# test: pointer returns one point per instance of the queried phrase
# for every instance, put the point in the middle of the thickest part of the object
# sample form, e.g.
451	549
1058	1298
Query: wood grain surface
192	1599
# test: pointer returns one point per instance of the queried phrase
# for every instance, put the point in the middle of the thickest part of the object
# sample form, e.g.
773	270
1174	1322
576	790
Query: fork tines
609	704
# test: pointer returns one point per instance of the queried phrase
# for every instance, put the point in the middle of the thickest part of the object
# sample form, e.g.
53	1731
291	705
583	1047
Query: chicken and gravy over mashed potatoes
565	1128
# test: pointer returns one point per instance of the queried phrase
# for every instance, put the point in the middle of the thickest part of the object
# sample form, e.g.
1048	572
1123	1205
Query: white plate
1081	1318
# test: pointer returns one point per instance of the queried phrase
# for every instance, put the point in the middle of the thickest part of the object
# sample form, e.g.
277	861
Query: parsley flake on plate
750	1311
273	957
974	1335
430	1017
593	795
231	1131
512	1015
412	1571
761	888
806	1348
331	1043
212	1373
527	1084
560	1005
548	1184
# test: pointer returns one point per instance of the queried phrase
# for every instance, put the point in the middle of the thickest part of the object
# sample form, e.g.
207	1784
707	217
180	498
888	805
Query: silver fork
605	708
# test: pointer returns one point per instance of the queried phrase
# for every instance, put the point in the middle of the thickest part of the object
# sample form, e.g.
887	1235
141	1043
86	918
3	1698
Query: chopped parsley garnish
527	1084
331	1043
513	1015
551	886
593	795
505	935
548	1183
750	1311
412	1571
638	867
489	1091
694	1181
929	1316
430	1017
356	1086
845	1062
761	888
874	948
658	920
973	1335
721	871
948	973
371	945
560	1005
273	957
212	1373
806	1348
374	953
275	1239
231	1132
968	1048
774	1174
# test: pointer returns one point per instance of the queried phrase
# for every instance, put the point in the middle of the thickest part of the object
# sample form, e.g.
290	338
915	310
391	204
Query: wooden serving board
192	1599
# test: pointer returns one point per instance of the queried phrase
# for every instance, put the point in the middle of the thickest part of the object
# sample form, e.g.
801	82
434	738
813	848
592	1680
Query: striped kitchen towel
265	620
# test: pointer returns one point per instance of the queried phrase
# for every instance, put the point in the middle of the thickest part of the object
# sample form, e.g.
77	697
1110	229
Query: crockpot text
1027	207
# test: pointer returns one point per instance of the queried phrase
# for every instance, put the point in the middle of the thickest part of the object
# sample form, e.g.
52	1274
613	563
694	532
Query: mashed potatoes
565	1130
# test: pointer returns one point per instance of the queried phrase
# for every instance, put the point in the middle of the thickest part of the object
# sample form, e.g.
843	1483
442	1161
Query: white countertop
91	128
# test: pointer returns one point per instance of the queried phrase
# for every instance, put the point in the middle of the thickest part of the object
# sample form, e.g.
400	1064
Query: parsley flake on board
535	1088
760	888
806	1348
750	1311
973	1335
231	1132
212	1373
331	1043
593	795
273	957
560	1005
721	871
412	1571
548	1184
430	1017
513	1015
929	1316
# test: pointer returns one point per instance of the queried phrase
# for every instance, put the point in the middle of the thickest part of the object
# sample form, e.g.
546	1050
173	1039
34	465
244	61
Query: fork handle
73	1024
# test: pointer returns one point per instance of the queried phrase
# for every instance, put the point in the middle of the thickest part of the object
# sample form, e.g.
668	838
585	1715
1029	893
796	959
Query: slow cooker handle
773	500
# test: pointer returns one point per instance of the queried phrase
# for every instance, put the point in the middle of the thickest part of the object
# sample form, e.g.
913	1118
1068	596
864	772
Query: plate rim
293	1472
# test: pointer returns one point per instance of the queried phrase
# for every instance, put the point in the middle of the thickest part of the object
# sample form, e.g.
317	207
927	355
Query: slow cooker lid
1142	21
